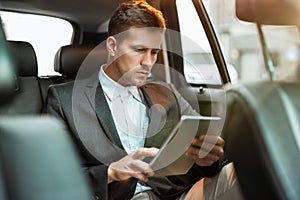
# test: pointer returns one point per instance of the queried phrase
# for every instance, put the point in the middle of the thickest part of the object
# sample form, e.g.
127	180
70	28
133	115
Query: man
114	119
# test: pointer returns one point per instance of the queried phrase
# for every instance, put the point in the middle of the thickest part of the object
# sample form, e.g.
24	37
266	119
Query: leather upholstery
70	59
262	132
287	12
2	186
27	95
7	72
38	161
24	58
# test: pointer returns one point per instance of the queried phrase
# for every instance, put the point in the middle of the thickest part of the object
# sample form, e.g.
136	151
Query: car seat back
38	161
262	133
27	94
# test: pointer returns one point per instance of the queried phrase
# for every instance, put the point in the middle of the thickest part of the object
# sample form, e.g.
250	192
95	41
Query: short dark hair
137	13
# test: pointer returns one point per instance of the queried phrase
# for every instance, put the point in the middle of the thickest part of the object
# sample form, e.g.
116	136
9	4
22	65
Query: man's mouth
143	73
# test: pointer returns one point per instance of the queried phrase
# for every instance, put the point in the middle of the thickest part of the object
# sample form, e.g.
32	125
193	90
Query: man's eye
155	52
140	50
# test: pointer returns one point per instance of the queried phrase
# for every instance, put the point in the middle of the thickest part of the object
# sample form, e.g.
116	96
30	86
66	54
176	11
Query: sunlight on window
46	34
199	65
190	26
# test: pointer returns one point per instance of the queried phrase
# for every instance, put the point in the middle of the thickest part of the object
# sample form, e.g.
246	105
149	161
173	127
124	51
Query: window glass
46	34
241	47
199	64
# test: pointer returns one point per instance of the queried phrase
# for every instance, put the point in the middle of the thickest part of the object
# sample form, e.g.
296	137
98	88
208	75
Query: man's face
135	55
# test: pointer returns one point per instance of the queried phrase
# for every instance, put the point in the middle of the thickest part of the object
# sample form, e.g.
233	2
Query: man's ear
111	45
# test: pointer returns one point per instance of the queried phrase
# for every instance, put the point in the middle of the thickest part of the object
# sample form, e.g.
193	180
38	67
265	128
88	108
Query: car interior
261	118
29	160
252	128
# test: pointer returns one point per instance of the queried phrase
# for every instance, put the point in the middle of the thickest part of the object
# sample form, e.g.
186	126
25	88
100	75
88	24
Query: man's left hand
206	149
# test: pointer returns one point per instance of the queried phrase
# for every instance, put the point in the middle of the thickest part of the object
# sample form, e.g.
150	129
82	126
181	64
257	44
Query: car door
194	58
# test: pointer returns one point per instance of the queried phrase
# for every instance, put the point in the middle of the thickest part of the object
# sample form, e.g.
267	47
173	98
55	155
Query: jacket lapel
94	93
163	113
105	117
98	134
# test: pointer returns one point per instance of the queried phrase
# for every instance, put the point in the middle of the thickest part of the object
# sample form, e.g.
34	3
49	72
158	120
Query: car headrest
272	12
71	58
7	71
24	58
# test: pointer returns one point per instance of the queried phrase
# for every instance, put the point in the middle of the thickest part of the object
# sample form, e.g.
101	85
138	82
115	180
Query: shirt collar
112	89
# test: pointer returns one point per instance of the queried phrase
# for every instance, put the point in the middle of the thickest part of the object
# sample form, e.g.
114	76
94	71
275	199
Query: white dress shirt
129	114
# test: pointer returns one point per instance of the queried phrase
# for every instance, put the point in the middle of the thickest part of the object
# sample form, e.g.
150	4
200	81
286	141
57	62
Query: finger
204	162
128	167
194	153
201	161
141	167
216	151
144	152
210	139
140	176
195	150
196	143
199	144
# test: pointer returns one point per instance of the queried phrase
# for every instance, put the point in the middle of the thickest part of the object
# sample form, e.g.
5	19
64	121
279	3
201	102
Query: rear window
46	34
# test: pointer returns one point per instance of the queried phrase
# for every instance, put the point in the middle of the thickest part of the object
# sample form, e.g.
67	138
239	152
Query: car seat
27	94
37	158
262	134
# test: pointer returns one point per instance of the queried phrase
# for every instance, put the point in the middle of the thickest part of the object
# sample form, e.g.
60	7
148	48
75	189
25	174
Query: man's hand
132	165
206	149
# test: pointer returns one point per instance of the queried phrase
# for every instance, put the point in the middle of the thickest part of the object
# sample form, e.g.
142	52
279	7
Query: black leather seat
2	188
74	61
37	159
85	59
7	84
7	75
27	94
262	133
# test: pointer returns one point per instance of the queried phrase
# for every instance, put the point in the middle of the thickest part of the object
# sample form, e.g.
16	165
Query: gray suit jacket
83	108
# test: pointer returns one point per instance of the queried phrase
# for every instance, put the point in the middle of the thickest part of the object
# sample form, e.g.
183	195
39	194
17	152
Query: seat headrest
24	58
7	69
71	58
287	12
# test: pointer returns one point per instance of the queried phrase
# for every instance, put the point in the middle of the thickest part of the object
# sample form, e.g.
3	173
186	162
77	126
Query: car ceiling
90	15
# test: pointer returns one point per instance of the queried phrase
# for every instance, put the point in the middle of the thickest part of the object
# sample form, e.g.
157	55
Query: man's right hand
132	165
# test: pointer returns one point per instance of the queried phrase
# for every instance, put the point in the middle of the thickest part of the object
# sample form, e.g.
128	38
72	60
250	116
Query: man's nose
147	59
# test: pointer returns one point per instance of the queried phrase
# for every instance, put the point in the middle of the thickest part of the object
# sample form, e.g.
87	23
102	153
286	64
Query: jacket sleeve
53	104
196	171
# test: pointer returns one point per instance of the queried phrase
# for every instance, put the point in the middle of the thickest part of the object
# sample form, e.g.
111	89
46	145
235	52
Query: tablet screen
171	160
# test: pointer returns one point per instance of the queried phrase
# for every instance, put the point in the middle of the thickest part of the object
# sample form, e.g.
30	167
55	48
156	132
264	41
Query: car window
46	34
199	65
241	47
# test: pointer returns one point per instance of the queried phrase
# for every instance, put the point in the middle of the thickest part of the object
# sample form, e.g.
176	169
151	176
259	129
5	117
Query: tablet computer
171	159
